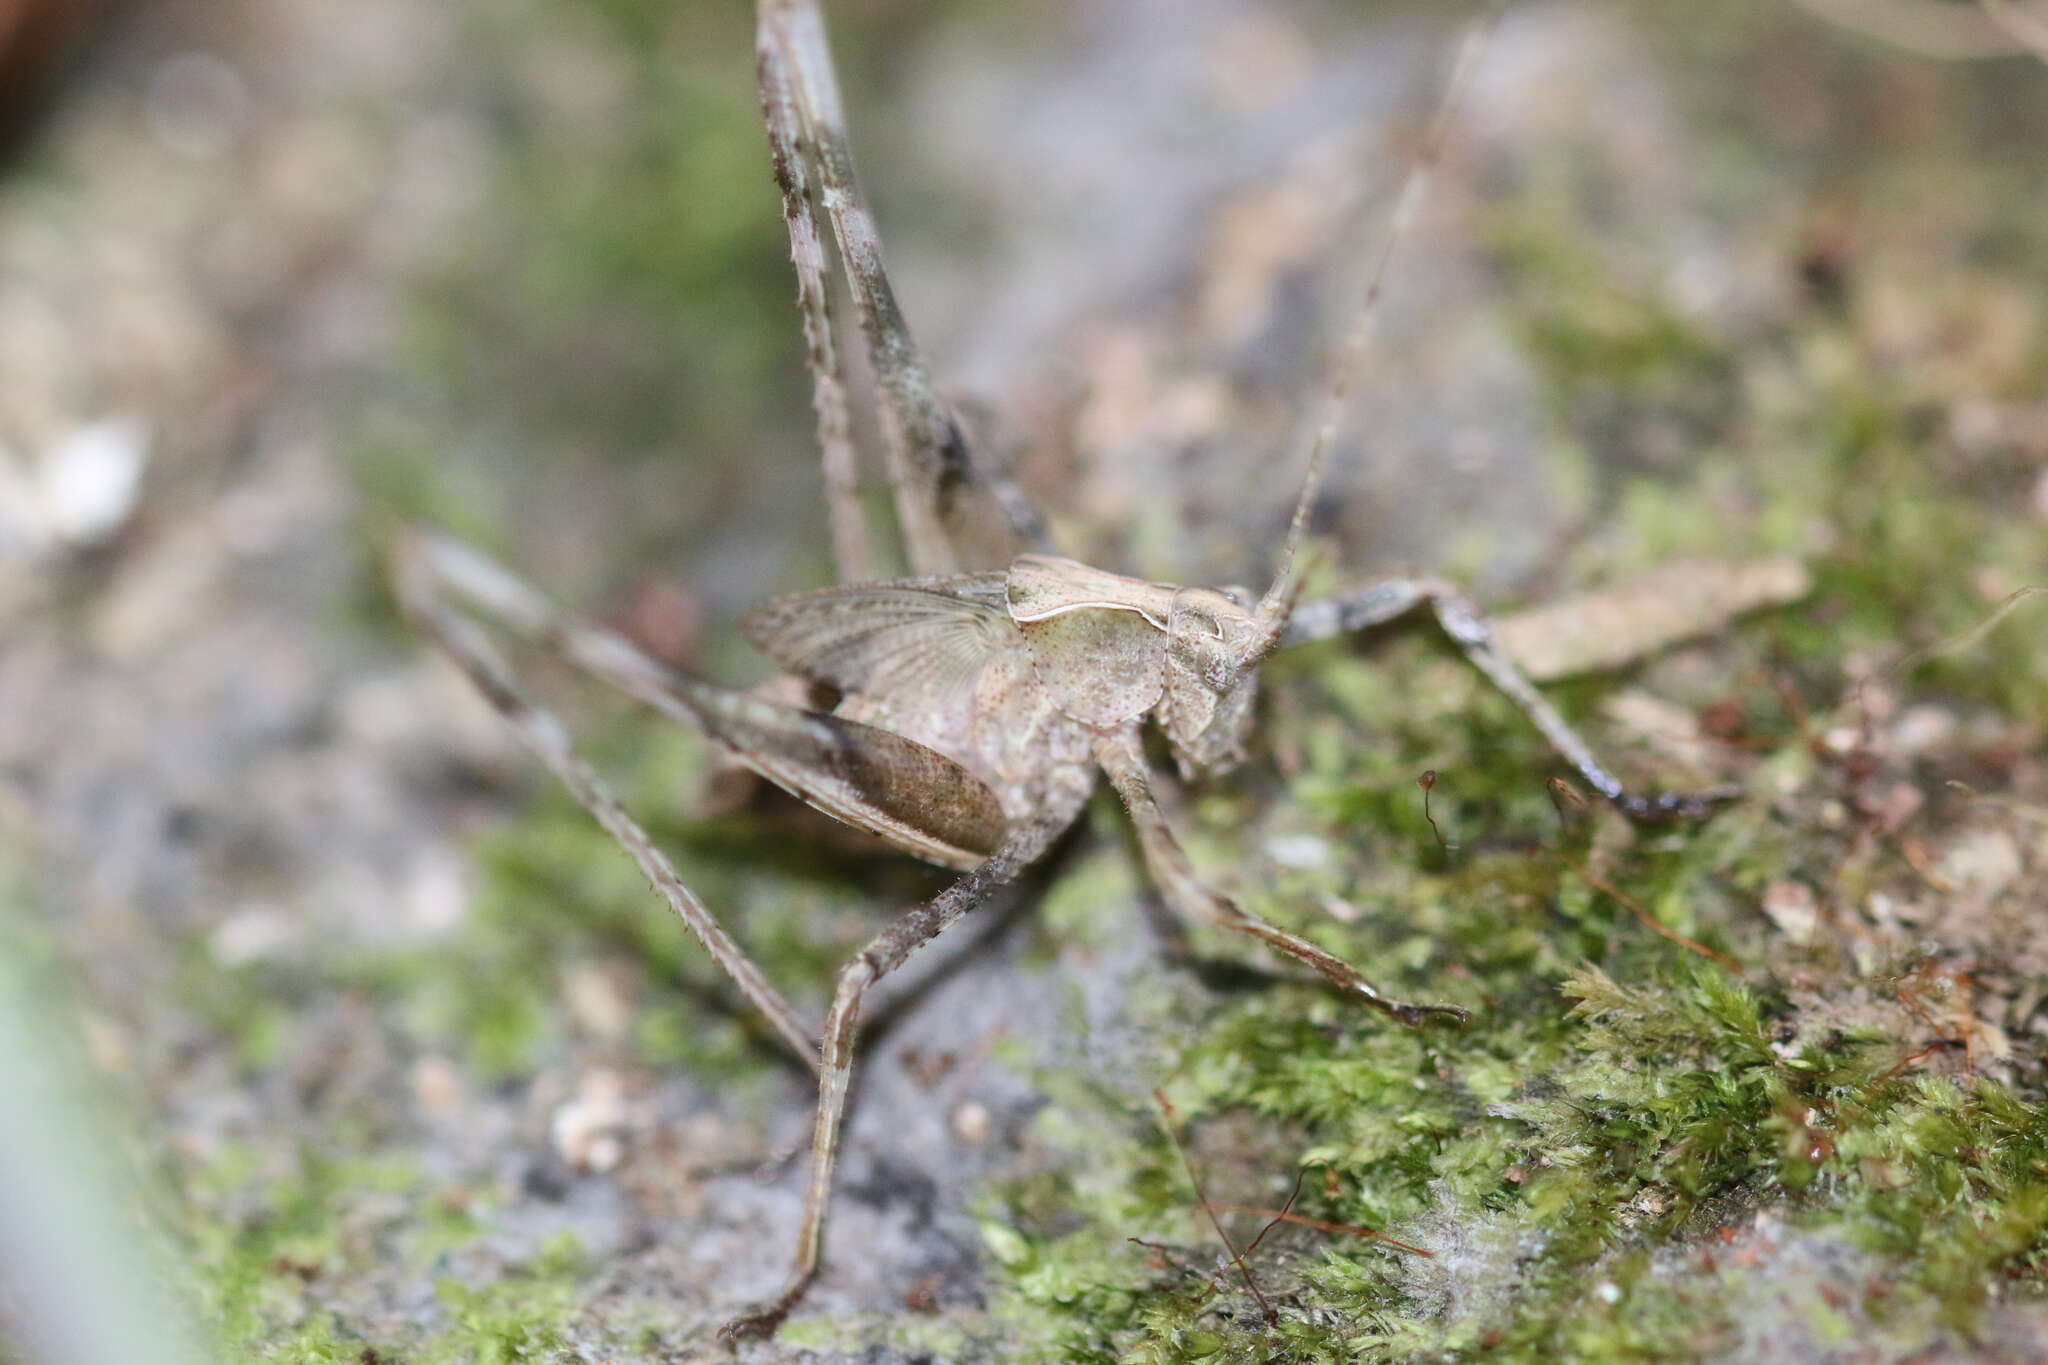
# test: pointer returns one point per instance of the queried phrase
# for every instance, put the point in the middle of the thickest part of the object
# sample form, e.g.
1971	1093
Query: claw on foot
1677	805
1416	1016
754	1324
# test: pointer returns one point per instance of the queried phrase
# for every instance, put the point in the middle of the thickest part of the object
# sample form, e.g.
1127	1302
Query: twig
1302	1220
1635	907
1281	1214
1561	791
1236	1256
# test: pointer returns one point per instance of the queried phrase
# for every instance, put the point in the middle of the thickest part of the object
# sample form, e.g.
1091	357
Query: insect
966	714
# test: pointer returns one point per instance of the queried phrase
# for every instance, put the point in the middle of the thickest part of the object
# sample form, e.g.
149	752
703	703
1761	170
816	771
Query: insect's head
1212	676
1218	637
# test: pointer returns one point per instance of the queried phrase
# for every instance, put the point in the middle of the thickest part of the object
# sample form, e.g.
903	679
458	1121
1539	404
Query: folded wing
914	640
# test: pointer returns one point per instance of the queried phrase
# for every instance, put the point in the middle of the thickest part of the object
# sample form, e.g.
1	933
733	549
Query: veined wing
902	639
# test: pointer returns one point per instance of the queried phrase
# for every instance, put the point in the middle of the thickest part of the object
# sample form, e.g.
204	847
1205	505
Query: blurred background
403	1060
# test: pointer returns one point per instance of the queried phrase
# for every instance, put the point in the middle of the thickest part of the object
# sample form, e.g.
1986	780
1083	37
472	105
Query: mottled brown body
1017	676
969	711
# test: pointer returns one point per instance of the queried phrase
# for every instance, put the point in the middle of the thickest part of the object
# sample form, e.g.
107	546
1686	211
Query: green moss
1584	1135
1633	1152
246	1006
646	308
265	1226
269	1236
521	1319
319	1342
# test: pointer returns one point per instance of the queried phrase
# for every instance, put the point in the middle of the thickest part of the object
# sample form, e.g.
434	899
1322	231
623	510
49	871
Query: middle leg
883	954
1123	758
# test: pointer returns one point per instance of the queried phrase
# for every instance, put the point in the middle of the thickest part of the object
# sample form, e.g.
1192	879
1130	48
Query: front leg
1377	603
1123	758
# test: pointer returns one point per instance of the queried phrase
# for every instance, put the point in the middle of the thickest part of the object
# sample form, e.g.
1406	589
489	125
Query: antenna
1278	602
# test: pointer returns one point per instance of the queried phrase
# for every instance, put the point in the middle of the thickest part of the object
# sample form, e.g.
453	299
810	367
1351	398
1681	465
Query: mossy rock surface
422	1072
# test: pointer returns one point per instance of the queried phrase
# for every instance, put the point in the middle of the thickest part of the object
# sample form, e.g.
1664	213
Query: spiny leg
421	578
850	546
1376	603
883	954
1123	758
953	509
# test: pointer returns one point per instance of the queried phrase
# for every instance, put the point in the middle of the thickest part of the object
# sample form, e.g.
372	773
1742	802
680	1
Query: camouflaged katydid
967	713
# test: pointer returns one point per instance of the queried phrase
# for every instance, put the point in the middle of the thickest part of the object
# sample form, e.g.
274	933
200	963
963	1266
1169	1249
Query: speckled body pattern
963	716
1017	676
